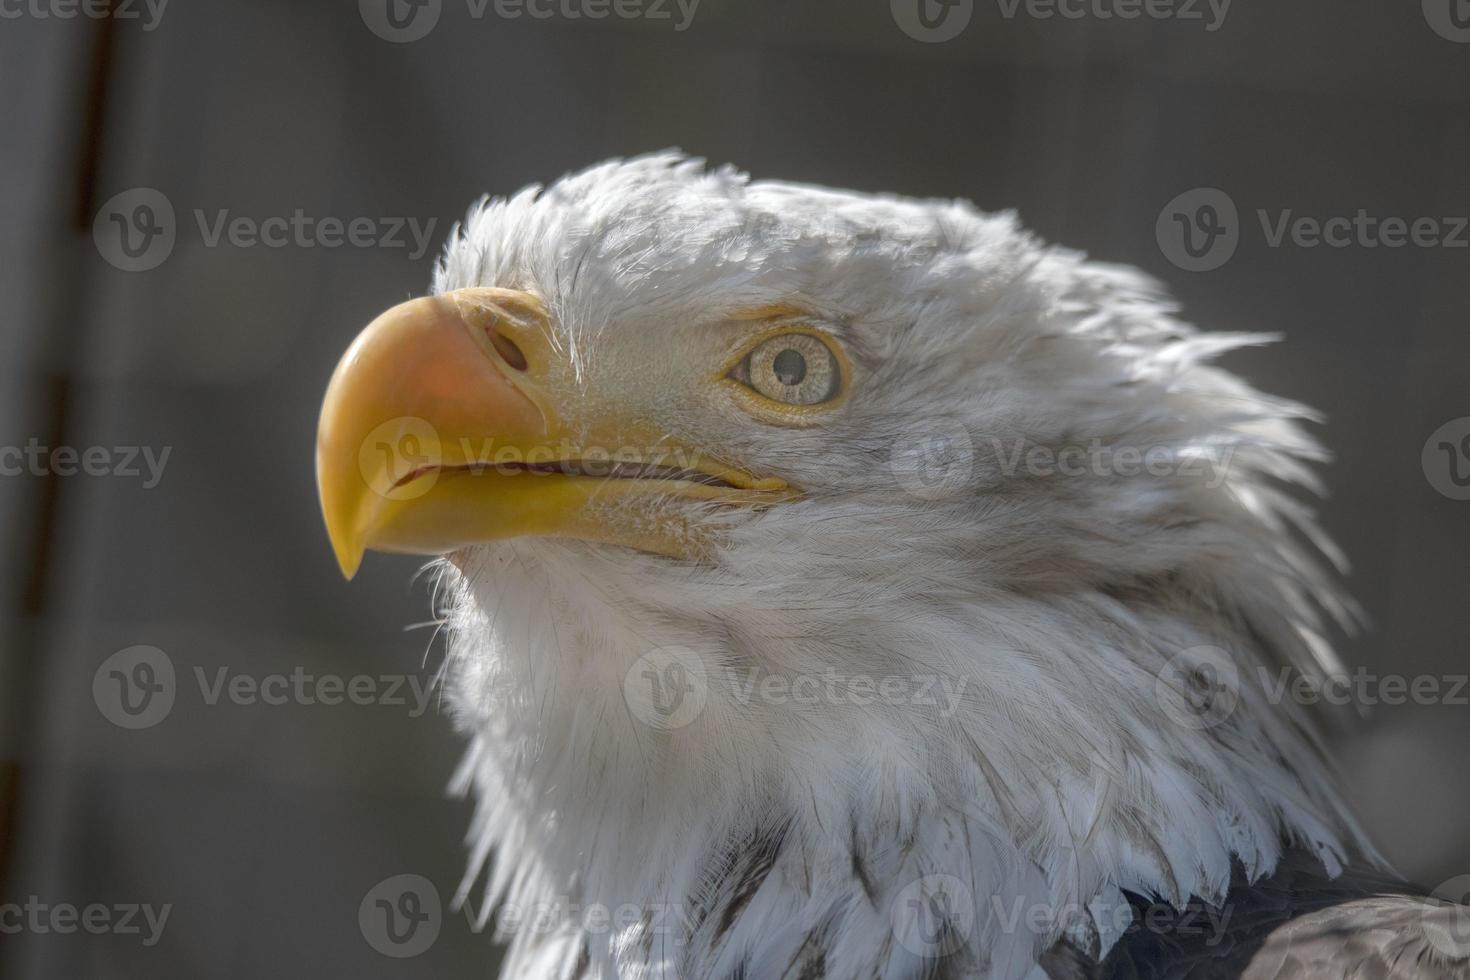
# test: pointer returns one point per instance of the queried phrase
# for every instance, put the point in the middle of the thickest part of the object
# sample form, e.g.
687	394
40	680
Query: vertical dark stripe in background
61	300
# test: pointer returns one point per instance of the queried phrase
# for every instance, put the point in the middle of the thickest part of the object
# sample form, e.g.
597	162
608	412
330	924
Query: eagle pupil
790	367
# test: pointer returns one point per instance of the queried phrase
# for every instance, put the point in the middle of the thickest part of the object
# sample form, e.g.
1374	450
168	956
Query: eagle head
808	551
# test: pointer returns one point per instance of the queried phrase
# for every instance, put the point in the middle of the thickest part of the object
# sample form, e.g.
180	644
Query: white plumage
775	838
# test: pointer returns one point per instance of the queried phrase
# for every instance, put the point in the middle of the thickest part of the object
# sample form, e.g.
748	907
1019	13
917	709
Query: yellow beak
441	428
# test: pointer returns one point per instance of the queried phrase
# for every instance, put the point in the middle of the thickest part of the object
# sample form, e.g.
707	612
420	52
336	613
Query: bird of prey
850	586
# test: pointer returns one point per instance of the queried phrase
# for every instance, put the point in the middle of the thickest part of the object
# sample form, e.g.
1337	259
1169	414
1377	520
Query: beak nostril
507	349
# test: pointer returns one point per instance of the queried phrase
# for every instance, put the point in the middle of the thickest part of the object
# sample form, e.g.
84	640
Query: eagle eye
792	369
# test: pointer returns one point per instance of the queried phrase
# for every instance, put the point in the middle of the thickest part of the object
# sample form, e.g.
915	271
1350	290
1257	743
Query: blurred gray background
264	826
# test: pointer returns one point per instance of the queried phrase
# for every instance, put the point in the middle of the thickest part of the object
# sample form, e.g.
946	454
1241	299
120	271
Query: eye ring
788	373
792	369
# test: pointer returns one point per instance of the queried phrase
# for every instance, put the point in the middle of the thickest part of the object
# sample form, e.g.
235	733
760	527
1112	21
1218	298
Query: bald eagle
850	586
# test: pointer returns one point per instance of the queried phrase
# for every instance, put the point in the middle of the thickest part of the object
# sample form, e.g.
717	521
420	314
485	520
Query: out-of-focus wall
263	827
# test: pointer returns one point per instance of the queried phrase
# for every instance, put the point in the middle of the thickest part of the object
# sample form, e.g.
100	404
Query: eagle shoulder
1296	923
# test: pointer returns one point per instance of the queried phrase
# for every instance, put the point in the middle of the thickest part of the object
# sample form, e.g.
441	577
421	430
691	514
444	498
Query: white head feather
1047	606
